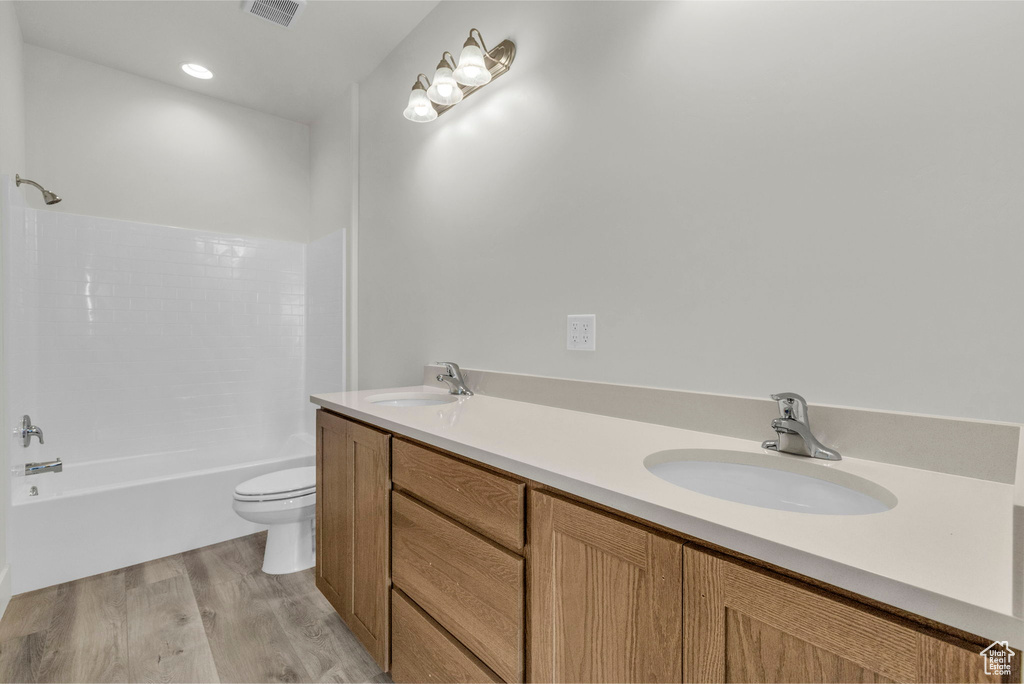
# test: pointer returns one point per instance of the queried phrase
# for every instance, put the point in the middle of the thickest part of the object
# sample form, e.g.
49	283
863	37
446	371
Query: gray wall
332	168
116	145
752	197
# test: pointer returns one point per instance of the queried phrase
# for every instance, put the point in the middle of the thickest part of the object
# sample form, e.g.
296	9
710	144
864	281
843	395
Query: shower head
48	197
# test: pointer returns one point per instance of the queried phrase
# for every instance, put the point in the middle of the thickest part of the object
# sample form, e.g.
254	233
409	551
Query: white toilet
286	501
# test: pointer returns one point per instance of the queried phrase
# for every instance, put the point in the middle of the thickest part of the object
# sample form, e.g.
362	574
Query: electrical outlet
581	332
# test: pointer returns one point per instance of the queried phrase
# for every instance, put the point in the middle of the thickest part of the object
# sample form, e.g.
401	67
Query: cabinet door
744	624
605	597
353	511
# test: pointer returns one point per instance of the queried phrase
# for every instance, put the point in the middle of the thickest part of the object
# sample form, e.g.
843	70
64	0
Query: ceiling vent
282	12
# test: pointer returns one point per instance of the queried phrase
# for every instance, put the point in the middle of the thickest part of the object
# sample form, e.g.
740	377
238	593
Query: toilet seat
276	496
283	484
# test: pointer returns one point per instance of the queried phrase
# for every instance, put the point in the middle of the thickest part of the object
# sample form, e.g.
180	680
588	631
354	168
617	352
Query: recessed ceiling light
197	70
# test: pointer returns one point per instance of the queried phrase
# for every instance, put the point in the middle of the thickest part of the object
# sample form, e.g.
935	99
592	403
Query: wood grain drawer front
471	586
423	651
745	624
489	503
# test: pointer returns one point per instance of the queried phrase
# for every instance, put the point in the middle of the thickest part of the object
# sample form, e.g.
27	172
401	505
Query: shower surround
164	366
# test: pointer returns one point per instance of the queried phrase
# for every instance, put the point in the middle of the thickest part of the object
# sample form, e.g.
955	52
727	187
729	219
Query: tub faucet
794	430
44	467
453	378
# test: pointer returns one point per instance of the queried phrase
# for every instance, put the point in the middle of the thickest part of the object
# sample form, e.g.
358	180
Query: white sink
784	483
412	399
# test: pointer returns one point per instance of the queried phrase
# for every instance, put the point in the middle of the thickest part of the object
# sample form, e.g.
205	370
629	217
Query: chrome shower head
48	197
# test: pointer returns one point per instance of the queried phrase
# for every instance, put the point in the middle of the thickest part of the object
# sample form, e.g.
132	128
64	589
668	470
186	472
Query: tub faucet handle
28	430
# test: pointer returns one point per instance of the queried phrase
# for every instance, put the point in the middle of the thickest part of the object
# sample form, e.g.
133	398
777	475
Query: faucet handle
452	368
792	406
28	430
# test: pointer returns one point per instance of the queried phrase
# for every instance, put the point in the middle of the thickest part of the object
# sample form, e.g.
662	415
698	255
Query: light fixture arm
448	60
481	37
421	79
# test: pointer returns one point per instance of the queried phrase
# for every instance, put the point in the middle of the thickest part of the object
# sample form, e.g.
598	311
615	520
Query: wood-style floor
207	615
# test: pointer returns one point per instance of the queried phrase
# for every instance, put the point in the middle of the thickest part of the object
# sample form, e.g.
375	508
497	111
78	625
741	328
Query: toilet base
290	547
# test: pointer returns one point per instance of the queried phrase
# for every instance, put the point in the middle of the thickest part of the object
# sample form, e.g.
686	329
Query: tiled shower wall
125	338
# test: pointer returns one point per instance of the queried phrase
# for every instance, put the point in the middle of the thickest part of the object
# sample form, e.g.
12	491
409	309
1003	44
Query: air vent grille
282	12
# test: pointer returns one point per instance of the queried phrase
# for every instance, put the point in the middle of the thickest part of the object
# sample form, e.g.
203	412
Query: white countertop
944	552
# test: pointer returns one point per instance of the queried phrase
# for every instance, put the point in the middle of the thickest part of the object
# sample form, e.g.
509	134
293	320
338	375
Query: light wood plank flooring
208	615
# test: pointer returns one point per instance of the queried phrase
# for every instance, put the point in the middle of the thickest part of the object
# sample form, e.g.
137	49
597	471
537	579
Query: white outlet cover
581	332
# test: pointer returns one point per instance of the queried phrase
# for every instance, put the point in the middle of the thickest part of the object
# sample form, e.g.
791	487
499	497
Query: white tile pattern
126	338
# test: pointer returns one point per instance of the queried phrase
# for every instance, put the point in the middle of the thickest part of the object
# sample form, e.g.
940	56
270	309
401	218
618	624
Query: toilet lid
281	484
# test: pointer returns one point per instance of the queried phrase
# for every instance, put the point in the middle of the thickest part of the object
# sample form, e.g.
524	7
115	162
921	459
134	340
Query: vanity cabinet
452	571
746	624
353	521
606	597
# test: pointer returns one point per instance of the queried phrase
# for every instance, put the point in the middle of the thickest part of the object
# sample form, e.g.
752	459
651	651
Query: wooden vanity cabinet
478	556
746	624
605	597
353	521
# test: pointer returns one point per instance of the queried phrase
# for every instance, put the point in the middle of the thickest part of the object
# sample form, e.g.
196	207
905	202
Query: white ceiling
291	72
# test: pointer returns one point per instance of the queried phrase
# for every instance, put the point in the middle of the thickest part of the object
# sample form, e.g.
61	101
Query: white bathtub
102	515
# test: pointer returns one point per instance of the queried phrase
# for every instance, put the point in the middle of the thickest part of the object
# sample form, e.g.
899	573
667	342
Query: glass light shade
472	71
419	110
443	89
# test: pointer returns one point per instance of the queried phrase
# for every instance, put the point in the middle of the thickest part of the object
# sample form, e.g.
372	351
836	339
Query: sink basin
783	483
412	399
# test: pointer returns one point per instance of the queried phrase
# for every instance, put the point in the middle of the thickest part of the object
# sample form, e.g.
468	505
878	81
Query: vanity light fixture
477	66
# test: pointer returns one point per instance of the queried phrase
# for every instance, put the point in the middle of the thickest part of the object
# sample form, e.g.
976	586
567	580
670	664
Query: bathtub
108	514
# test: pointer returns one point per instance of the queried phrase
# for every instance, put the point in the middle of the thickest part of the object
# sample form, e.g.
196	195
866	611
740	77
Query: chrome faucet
794	430
28	430
453	378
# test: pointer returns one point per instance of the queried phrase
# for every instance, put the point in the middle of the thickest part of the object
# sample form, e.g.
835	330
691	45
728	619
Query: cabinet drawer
489	503
422	651
471	586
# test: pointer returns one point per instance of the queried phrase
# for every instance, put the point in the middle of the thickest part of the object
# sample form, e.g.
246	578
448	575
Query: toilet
286	501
